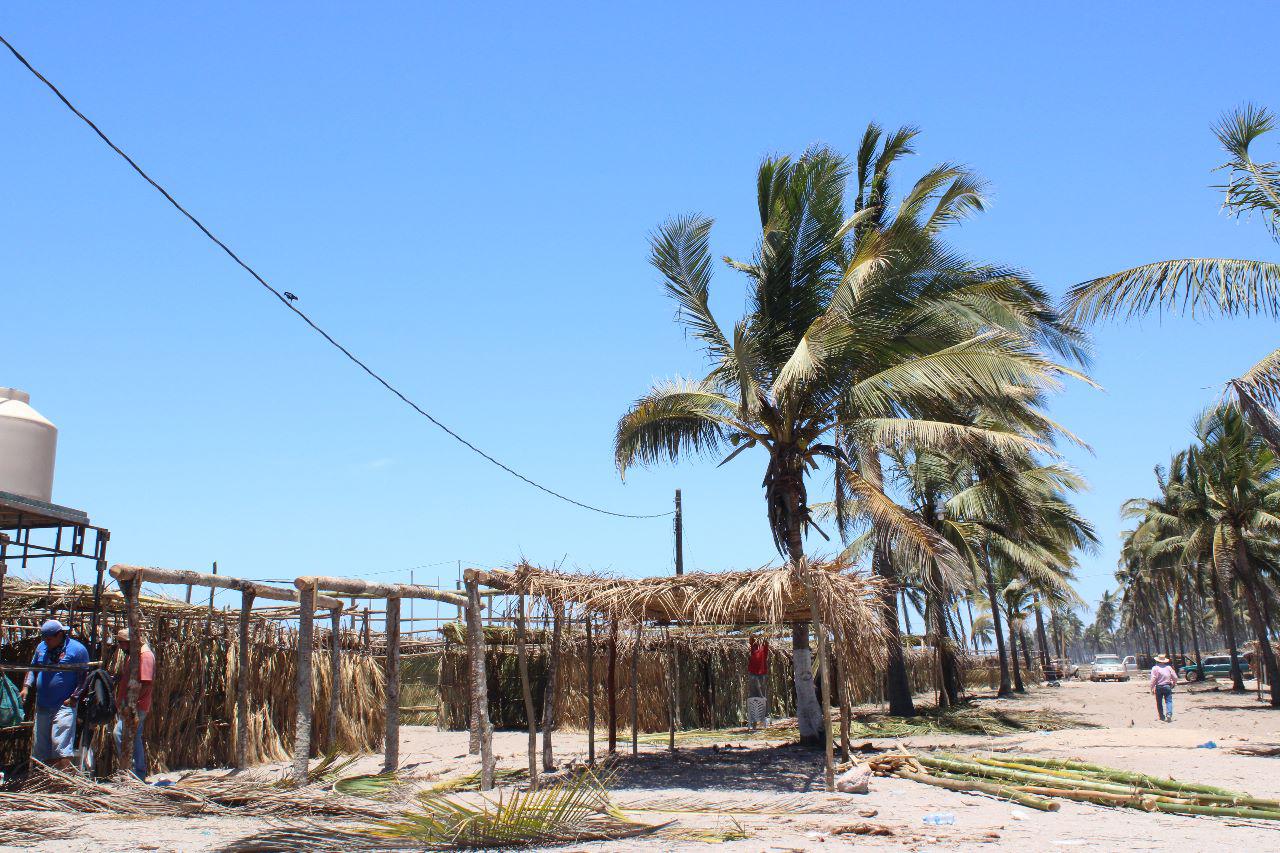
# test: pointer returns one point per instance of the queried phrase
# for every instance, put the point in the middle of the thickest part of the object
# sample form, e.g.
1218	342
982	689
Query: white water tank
28	445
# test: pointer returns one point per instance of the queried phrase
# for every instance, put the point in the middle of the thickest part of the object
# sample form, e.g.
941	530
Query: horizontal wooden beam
186	576
355	586
489	579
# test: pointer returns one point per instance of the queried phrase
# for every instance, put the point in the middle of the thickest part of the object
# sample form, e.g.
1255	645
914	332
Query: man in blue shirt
53	741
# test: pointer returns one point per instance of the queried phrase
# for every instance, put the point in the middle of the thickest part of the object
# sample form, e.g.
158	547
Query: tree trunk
897	682
1013	653
526	692
1244	570
809	715
553	687
1041	638
1227	618
948	670
1005	688
1195	635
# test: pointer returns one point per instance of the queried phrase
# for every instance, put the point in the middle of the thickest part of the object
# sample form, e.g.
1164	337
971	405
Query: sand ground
721	776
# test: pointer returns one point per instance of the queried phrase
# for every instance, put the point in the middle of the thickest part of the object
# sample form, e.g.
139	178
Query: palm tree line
875	357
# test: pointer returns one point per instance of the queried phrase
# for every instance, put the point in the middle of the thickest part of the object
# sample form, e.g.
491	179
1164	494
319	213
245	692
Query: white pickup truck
1108	668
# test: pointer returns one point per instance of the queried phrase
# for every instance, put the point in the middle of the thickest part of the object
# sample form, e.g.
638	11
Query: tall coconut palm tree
862	329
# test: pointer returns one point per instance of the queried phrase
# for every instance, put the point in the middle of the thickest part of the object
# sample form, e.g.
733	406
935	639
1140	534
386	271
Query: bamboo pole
242	682
635	692
302	729
479	685
392	761
591	694
526	690
335	676
553	687
1002	791
137	640
612	687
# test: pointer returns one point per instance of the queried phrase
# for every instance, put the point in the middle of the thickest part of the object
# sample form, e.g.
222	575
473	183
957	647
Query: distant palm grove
894	393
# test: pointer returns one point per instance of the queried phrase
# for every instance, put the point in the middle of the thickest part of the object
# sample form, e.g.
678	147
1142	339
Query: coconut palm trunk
1244	572
1227	619
1013	653
897	683
810	718
1005	687
1041	638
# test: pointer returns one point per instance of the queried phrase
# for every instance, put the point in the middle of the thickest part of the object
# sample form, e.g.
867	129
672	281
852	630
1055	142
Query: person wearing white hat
1163	678
57	692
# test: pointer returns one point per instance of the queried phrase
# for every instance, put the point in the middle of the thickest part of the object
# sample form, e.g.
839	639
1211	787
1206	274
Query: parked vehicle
1108	668
1215	666
1131	664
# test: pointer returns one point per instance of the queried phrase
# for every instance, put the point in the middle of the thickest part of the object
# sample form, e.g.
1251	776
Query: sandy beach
756	786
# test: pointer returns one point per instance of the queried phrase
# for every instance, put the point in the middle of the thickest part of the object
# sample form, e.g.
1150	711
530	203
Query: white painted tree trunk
808	711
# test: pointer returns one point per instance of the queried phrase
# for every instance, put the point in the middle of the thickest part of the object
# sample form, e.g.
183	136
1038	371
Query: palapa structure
842	605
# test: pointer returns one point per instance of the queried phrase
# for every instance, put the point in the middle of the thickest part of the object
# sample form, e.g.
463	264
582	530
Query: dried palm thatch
192	723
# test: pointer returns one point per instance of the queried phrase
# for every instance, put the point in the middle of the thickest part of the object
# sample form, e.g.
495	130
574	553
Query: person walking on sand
146	677
757	675
1163	678
57	693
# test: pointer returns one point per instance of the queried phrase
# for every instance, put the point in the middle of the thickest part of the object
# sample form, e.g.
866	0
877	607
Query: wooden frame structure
826	596
309	597
131	579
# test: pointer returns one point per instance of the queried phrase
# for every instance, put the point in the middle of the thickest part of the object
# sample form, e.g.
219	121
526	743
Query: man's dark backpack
98	702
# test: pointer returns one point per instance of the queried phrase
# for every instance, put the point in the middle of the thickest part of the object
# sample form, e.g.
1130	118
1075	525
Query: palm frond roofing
849	601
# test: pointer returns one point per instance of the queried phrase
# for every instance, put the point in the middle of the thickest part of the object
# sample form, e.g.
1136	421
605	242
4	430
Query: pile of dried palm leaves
194	699
23	829
1039	783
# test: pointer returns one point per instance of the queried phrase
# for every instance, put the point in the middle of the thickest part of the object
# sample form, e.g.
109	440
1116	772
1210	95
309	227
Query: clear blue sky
463	196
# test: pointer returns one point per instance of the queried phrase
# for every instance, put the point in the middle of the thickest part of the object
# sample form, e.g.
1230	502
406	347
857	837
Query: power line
289	304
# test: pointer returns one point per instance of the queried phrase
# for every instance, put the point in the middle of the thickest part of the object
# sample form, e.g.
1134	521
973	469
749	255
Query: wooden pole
553	687
591	694
302	720
825	672
846	711
479	684
136	641
335	677
671	694
635	691
611	686
526	690
392	760
679	524
242	683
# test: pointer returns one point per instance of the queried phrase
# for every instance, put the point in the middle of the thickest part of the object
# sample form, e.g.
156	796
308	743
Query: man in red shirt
146	676
757	675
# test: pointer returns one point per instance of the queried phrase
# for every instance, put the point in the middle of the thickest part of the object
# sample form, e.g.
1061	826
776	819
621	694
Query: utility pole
679	536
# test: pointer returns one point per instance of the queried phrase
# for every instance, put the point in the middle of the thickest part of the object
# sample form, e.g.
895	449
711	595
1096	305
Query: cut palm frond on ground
781	804
576	810
23	829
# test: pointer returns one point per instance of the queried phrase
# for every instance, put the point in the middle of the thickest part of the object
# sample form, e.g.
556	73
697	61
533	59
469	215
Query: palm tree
860	331
1231	286
1104	619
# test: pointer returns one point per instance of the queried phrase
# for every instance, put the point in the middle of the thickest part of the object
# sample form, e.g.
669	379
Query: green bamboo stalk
1000	791
1125	776
1019	776
1158	786
1218	811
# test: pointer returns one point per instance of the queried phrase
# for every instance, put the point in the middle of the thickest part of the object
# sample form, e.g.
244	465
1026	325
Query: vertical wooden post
591	694
335	677
242	683
526	690
672	686
679	525
825	673
842	682
635	691
553	687
392	760
479	684
302	720
137	640
611	687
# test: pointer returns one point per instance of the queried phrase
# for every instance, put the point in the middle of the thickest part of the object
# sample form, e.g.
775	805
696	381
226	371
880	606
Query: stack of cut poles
1037	782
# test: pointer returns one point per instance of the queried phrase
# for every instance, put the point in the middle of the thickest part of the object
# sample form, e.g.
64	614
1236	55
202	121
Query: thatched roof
849	601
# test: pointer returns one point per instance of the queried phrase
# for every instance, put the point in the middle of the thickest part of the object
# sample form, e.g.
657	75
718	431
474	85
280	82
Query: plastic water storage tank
28	445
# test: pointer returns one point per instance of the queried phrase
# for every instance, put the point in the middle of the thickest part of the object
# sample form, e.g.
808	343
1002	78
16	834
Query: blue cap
52	627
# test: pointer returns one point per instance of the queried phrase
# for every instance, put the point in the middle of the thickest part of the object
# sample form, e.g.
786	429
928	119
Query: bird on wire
290	296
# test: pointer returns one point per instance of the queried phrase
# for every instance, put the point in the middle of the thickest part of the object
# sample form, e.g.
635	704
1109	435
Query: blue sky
462	195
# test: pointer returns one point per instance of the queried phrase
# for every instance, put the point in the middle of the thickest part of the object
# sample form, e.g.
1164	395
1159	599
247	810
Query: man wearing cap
146	675
53	741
